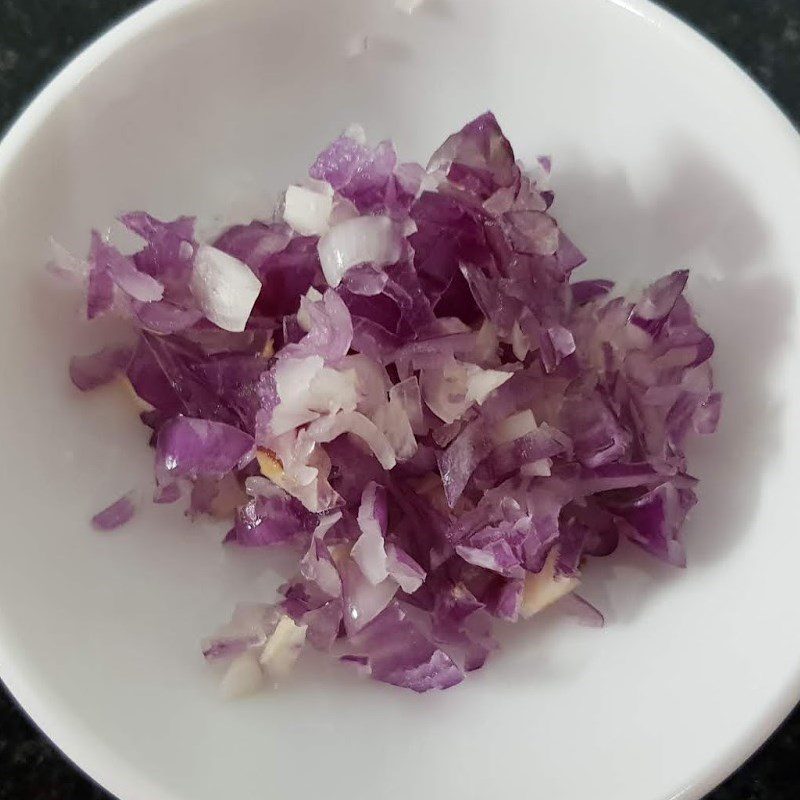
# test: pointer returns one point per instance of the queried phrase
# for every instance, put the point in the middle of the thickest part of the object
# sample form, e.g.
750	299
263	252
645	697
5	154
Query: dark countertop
37	36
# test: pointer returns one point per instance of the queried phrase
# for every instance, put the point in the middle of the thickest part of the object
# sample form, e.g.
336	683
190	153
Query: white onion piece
333	390
514	427
293	377
364	240
369	551
392	419
243	676
306	388
450	390
303	317
482	382
308	210
294	451
225	289
318	495
544	588
326	429
303	470
283	648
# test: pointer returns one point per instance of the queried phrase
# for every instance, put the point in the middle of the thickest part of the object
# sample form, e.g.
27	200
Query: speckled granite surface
37	36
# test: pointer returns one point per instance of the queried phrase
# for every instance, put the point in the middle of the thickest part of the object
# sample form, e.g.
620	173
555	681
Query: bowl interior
665	155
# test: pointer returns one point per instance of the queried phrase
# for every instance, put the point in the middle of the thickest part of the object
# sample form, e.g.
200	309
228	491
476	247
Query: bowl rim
80	745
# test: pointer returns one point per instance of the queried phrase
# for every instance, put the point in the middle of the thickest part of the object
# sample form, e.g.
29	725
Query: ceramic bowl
666	155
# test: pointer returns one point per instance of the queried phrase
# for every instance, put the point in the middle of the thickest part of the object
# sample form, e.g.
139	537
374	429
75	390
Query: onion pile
397	378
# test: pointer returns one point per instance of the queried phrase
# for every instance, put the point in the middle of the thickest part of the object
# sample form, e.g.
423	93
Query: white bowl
665	155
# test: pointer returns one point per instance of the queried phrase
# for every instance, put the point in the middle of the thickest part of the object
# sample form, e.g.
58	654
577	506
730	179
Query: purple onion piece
116	515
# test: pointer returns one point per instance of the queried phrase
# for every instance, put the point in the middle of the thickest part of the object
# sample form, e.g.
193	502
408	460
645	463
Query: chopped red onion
95	370
116	515
399	382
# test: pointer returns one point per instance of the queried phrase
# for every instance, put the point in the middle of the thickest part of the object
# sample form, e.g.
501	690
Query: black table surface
37	36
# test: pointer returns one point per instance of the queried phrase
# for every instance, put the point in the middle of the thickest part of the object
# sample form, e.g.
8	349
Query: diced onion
363	240
243	676
307	211
225	289
283	648
544	588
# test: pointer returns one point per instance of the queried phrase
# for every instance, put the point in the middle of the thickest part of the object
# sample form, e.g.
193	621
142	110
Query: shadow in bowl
697	218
